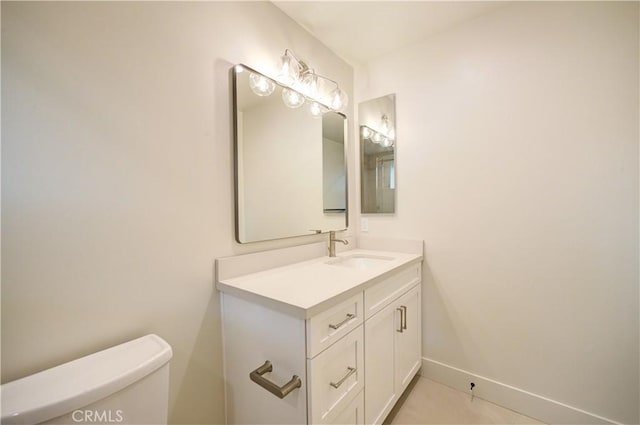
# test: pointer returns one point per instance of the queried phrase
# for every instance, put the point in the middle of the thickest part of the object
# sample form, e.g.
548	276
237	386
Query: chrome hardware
332	243
281	392
337	325
351	371
404	317
401	319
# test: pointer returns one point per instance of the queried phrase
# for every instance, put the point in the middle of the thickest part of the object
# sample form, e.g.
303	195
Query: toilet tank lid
62	389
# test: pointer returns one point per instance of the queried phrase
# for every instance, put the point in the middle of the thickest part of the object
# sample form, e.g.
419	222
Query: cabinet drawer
329	326
353	414
381	294
335	377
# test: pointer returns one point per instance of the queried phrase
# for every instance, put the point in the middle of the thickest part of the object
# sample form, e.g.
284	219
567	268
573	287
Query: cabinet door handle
404	317
401	310
351	371
281	392
337	325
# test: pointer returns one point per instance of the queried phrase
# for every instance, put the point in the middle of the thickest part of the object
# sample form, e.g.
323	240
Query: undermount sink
359	261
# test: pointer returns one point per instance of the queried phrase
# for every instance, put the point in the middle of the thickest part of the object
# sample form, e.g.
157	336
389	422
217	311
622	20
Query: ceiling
359	31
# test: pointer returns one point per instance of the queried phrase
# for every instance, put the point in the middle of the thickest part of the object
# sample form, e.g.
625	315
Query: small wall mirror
377	119
290	164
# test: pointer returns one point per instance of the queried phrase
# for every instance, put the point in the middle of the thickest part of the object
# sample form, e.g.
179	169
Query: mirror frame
234	126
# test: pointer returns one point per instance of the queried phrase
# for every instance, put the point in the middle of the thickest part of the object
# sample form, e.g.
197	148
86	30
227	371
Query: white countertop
305	288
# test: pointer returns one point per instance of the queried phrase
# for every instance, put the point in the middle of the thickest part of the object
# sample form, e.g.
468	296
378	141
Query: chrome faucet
332	243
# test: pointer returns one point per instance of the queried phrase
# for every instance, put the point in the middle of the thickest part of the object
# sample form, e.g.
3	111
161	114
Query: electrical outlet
364	224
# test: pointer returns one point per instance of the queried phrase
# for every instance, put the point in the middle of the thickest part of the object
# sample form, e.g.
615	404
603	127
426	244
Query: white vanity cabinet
342	358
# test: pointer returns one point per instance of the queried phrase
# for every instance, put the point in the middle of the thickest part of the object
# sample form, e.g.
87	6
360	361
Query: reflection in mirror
290	165
377	155
334	176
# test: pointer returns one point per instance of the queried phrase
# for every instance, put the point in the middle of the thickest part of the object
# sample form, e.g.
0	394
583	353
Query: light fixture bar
296	75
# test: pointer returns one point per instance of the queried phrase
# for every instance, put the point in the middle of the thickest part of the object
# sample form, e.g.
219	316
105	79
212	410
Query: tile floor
428	402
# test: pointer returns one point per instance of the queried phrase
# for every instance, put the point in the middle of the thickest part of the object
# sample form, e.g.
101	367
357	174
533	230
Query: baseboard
529	404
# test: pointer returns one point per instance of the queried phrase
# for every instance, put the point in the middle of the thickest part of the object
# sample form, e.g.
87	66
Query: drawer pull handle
351	371
337	325
281	392
404	317
401	319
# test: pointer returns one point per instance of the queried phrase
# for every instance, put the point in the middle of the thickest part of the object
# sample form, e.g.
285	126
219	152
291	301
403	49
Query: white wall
517	162
117	177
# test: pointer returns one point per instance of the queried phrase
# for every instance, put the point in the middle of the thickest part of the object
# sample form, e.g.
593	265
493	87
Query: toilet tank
125	384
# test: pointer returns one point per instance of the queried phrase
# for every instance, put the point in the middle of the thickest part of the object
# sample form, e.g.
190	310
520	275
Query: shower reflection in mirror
377	155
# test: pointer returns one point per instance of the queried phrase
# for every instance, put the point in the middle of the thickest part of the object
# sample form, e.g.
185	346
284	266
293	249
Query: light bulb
289	70
261	85
292	98
366	132
339	99
385	142
392	134
317	109
377	137
310	84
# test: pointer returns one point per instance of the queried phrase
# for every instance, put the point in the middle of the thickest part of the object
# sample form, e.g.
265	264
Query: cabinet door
409	341
379	357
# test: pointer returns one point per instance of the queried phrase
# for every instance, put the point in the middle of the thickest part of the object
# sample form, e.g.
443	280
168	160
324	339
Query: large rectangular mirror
289	163
377	120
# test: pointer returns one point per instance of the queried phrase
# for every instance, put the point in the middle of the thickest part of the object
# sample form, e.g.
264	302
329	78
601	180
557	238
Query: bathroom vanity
311	338
320	340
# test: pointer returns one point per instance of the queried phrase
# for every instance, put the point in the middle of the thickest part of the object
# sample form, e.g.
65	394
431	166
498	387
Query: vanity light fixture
384	136
321	91
300	84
